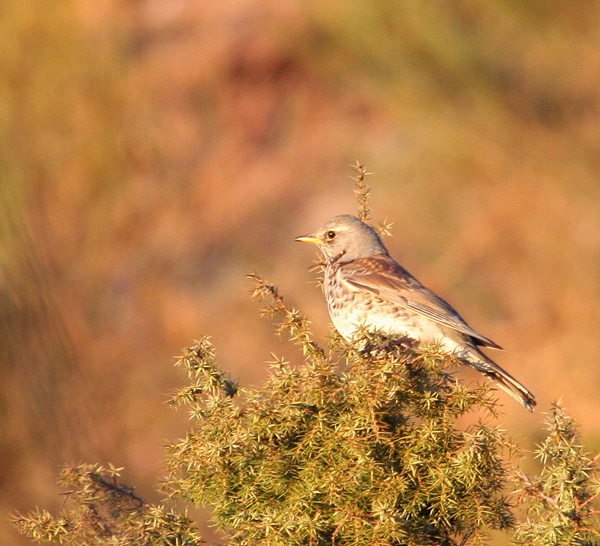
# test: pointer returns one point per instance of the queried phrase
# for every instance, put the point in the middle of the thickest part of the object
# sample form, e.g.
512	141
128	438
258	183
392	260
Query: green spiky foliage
371	455
349	447
101	511
561	502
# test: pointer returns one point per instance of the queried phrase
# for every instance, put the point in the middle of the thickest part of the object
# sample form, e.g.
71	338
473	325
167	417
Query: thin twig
362	192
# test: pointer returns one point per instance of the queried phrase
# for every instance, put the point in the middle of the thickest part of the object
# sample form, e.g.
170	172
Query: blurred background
152	153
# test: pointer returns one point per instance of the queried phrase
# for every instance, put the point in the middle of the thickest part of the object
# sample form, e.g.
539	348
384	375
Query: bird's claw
388	345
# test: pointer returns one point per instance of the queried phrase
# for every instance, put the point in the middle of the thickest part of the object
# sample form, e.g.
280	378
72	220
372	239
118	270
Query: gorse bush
561	502
350	448
368	455
105	512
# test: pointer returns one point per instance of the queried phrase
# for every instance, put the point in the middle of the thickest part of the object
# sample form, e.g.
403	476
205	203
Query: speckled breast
350	308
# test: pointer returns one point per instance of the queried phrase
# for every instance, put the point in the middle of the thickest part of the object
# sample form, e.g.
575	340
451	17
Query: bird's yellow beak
308	239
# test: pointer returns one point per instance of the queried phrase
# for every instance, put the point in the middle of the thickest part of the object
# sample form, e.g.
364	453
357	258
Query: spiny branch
362	192
294	322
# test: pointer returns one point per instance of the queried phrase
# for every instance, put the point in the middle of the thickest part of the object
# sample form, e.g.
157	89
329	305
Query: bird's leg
388	345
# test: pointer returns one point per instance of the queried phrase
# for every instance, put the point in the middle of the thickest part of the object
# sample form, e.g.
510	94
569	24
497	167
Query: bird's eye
331	235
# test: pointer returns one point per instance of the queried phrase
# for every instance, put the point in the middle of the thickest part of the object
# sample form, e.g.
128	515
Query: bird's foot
388	345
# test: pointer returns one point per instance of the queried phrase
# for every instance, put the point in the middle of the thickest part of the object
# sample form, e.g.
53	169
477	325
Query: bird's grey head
345	237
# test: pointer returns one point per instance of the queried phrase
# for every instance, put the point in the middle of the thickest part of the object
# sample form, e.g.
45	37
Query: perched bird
366	289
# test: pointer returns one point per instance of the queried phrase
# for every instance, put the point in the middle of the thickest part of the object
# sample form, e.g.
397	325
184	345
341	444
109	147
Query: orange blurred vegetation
152	153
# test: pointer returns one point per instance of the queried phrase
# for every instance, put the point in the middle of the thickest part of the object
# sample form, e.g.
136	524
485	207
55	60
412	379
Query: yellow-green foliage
104	511
315	456
371	455
561	502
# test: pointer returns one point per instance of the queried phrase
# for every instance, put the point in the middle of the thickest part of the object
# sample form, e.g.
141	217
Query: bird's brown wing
382	276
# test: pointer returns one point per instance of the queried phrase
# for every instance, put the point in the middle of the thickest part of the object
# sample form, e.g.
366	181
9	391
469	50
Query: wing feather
382	276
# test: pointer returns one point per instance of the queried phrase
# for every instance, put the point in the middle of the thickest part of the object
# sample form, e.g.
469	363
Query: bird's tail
503	379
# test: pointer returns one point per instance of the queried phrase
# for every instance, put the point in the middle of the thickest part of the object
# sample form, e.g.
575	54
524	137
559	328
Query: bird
367	290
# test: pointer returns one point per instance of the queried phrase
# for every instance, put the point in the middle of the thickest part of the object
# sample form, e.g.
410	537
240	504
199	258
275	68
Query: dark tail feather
504	380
